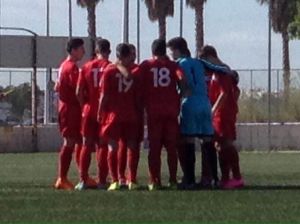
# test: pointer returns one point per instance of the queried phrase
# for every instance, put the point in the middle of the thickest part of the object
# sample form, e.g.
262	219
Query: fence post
34	95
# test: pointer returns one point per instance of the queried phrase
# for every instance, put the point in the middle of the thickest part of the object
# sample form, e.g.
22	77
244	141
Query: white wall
250	137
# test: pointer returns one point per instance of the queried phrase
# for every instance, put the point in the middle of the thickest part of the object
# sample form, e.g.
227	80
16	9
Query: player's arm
104	95
80	88
182	82
219	102
225	87
216	68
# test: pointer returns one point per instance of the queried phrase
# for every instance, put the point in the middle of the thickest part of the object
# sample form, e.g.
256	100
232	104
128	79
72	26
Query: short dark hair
236	77
159	47
179	44
74	43
122	50
102	46
207	51
132	47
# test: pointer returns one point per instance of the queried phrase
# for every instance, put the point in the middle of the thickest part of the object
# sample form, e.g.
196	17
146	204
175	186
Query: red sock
181	156
133	161
101	157
172	160
224	162
78	148
122	161
234	163
113	164
154	161
85	161
65	158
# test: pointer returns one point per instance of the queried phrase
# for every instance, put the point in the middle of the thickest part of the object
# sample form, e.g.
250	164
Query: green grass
272	195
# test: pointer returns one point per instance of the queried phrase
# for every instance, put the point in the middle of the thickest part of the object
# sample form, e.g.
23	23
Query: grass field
272	195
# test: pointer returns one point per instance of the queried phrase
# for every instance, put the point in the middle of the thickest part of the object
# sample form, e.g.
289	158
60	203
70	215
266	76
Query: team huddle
104	106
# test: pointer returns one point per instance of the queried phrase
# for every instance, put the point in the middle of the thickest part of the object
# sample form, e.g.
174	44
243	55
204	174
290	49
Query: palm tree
294	28
198	6
90	5
282	14
159	10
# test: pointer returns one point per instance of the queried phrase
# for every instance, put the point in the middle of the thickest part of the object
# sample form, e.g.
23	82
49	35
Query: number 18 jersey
158	80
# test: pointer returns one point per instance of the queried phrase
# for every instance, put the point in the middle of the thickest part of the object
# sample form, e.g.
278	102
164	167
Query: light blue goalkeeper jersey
195	117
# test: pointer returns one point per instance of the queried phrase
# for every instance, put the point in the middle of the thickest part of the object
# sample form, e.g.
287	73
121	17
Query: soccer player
224	94
195	119
123	153
160	79
88	95
118	114
69	111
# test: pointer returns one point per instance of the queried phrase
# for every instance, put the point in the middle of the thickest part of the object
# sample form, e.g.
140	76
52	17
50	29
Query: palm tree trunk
162	27
286	65
199	26
91	10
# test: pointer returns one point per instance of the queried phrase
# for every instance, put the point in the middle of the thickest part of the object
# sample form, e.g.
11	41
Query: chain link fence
15	108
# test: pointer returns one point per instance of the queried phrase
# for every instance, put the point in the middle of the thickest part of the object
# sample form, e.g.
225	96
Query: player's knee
69	142
112	145
89	142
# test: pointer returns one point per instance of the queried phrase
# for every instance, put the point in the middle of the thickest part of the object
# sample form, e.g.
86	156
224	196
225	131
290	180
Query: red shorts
163	128
127	131
89	127
69	118
225	128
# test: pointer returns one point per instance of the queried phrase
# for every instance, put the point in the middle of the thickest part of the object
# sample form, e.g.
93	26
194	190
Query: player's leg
122	162
85	160
89	131
181	156
209	163
133	160
65	158
111	133
113	147
190	161
224	161
155	147
78	148
188	129
102	164
237	180
209	156
69	125
171	142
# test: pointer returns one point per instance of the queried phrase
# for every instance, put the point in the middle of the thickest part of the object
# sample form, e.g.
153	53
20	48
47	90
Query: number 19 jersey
159	79
120	94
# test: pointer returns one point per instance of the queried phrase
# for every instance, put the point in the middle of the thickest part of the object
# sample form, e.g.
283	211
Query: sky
237	28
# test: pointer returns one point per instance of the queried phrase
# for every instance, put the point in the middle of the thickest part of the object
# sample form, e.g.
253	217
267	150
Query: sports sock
85	161
113	164
101	156
65	158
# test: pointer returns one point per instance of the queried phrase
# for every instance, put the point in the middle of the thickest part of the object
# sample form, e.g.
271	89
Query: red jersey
221	83
88	81
67	80
159	79
120	94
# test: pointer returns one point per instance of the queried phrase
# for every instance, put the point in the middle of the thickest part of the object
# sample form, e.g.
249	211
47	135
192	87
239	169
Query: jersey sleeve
179	73
225	84
81	82
216	68
73	75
